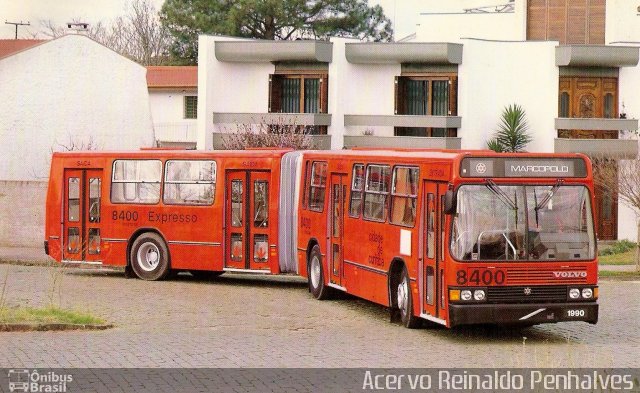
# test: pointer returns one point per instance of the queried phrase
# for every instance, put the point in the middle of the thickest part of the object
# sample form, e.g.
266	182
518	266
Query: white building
572	65
173	99
69	91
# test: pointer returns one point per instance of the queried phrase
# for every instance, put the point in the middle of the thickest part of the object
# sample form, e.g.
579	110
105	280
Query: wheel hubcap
148	257
315	272
403	294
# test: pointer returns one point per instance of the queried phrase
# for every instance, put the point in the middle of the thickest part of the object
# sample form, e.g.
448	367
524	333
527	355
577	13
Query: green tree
513	131
270	20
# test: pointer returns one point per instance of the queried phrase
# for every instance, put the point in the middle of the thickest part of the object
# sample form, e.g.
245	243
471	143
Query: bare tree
621	178
269	134
138	35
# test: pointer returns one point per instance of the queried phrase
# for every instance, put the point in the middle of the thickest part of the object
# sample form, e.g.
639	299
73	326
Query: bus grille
540	275
527	294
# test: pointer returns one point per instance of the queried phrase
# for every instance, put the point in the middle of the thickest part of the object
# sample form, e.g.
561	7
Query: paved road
247	321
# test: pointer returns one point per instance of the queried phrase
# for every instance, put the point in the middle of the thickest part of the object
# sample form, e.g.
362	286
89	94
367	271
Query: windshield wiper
547	197
501	194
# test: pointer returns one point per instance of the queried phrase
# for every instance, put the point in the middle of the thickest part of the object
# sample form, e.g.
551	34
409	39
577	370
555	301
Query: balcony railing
402	142
403	121
614	148
320	142
565	123
176	132
298	119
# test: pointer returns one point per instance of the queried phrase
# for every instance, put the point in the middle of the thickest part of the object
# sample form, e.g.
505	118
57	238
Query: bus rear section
455	238
158	211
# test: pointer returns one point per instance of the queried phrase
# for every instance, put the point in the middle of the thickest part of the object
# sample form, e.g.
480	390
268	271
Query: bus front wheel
150	257
316	276
405	301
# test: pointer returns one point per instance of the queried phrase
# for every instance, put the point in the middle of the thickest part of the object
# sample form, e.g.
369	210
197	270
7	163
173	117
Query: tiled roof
172	77
9	47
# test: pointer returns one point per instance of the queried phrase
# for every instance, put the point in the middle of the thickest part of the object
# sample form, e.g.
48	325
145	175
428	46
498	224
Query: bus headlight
574	293
479	295
587	293
465	295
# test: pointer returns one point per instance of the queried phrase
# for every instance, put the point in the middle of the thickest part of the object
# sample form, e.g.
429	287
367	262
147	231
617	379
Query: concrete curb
44	327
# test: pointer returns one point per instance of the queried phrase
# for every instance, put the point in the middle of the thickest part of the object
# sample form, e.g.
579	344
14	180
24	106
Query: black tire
404	301
150	257
315	275
205	274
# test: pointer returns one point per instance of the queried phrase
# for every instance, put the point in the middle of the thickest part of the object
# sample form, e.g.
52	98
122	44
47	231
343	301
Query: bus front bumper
522	314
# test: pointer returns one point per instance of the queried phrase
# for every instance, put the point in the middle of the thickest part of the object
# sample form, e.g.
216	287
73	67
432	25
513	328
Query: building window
426	96
191	107
299	93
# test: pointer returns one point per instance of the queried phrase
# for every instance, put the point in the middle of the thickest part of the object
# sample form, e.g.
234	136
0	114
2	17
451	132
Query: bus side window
404	196
317	186
357	188
376	192
136	181
431	221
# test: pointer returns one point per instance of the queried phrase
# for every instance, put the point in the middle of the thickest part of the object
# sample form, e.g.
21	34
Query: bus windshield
517	222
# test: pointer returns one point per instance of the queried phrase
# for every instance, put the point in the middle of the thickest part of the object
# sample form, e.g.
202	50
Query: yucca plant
512	134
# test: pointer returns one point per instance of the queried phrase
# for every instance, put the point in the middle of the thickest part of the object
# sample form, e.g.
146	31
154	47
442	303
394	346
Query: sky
403	13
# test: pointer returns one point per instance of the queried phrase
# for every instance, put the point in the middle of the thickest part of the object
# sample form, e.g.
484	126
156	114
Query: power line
16	24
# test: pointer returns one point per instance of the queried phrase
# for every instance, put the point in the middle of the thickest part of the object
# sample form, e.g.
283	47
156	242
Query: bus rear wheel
405	301
316	276
150	257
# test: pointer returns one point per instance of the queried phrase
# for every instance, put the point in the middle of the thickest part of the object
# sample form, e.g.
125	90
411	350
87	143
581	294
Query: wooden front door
82	215
247	220
590	97
606	201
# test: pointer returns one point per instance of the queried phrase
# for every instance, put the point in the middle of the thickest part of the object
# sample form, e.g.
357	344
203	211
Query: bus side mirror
450	202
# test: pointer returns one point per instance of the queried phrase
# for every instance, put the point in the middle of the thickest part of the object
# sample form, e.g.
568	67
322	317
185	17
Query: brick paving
248	321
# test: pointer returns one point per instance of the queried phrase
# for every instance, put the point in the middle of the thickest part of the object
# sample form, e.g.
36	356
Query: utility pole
16	24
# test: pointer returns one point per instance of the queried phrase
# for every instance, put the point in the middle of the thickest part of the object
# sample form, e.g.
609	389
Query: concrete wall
358	89
227	87
70	89
167	106
22	213
628	86
522	73
622	21
446	21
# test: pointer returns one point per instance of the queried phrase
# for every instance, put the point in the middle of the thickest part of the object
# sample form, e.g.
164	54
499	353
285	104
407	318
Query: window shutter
399	95
324	94
453	96
275	93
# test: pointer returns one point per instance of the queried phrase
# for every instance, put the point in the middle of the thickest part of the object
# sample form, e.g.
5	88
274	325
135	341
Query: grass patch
617	274
626	258
46	315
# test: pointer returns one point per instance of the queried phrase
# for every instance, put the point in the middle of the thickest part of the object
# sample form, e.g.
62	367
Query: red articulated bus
153	211
453	237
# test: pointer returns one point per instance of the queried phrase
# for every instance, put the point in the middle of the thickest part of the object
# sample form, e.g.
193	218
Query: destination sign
522	167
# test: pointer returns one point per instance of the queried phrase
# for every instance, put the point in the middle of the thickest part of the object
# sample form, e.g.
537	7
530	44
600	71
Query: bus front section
523	252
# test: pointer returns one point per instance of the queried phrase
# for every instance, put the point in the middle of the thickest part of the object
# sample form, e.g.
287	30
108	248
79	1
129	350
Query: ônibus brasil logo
22	380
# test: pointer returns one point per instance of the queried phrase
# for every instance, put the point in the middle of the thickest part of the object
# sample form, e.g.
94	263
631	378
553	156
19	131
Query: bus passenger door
433	269
336	228
82	215
247	220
